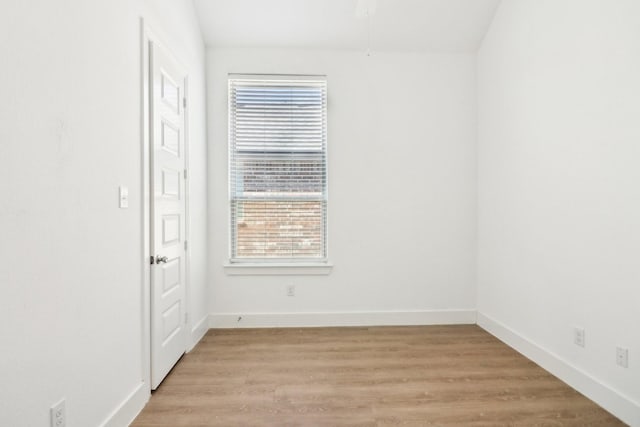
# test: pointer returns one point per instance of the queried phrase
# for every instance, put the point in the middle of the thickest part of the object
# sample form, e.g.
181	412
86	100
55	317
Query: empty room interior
320	213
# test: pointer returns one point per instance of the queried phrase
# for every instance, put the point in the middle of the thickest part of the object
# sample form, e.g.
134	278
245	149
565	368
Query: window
278	168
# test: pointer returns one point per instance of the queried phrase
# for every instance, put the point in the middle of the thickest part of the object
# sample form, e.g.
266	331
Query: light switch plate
124	197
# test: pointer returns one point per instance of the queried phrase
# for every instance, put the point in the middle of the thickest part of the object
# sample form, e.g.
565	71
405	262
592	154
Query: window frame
276	265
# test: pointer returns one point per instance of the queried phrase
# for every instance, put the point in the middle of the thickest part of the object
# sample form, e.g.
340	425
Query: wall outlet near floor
291	290
578	336
622	357
58	415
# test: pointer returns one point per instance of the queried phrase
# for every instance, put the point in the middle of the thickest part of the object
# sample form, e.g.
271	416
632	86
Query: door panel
168	316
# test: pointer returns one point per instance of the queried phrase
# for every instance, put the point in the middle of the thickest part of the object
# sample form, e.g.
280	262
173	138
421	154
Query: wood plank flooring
365	376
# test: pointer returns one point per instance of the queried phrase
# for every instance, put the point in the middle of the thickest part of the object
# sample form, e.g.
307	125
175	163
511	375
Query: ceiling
396	25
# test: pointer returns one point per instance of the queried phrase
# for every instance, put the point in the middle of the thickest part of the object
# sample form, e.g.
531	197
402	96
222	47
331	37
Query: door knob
161	259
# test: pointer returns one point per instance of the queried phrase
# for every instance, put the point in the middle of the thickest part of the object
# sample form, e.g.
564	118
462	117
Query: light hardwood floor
366	376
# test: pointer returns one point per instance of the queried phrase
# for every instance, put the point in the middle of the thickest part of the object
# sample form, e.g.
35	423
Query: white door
167	168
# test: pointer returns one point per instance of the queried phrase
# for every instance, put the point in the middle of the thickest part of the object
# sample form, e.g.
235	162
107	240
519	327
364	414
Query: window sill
278	269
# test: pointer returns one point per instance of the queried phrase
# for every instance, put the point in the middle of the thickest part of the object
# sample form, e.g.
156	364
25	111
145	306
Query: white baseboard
198	331
381	318
129	409
621	406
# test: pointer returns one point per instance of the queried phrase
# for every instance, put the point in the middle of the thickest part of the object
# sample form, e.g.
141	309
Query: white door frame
147	37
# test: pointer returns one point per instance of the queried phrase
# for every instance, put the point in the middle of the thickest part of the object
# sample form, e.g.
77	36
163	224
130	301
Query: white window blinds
278	168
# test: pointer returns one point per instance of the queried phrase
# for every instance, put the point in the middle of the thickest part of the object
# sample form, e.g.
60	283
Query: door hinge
186	245
185	174
184	102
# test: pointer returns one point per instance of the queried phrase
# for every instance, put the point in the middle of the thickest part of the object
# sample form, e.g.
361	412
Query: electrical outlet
58	415
622	357
291	290
578	337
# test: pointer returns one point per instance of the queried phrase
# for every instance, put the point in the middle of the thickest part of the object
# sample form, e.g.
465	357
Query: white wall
71	260
401	188
559	193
